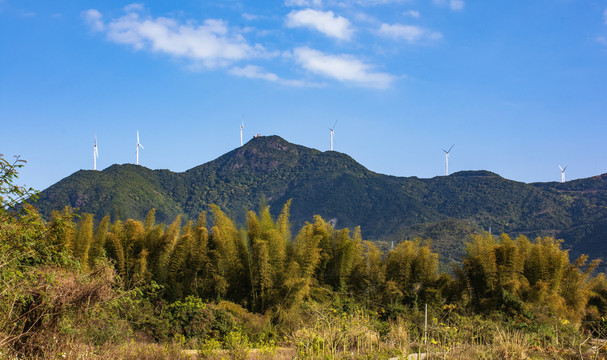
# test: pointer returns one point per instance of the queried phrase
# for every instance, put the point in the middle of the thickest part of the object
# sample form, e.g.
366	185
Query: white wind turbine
138	146
563	172
241	128
332	133
447	159
95	154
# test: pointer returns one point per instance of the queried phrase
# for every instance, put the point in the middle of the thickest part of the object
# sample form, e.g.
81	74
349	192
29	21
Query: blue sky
519	87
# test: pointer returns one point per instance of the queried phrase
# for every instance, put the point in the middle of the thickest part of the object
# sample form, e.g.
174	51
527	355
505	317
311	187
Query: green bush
191	318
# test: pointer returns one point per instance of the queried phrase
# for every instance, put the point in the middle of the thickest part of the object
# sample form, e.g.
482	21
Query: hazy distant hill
335	186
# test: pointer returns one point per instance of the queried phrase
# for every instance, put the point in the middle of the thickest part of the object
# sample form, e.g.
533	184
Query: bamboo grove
73	286
264	267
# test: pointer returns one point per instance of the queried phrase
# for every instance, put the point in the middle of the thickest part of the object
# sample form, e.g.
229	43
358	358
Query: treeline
263	266
76	285
103	281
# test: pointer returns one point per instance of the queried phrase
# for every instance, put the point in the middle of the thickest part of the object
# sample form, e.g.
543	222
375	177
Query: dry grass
38	307
282	353
398	337
510	345
139	351
335	335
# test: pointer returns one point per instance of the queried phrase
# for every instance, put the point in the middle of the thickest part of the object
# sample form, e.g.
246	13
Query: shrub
191	318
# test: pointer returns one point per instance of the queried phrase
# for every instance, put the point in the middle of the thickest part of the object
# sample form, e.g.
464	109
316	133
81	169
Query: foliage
72	287
10	193
330	333
527	279
334	186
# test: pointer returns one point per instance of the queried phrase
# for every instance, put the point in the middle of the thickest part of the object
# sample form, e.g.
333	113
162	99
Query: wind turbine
563	172
241	128
447	159
138	146
95	154
332	133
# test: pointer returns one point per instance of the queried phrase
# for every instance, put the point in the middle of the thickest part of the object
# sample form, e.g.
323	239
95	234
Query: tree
261	275
178	269
11	194
99	239
228	253
303	265
413	267
368	275
84	238
164	248
344	252
41	286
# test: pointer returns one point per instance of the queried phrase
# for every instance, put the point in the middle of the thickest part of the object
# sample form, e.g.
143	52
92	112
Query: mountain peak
263	154
271	142
476	173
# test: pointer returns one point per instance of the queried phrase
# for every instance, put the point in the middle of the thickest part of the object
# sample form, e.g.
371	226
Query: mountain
333	185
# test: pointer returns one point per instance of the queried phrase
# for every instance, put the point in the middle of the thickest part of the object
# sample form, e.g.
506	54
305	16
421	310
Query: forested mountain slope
338	188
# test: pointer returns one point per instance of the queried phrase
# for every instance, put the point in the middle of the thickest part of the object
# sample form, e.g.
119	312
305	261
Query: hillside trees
368	277
412	272
40	283
264	268
72	277
521	277
260	266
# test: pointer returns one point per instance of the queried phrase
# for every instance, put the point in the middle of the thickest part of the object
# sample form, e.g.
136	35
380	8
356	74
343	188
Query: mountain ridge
335	186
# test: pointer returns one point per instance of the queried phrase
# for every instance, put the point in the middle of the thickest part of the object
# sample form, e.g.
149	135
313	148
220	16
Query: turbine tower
332	133
241	128
562	173
95	154
447	159
138	146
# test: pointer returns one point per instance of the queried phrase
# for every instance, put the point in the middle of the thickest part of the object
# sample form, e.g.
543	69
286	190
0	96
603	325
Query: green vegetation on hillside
333	185
73	287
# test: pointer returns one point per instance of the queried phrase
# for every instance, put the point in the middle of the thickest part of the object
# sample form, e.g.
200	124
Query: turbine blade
141	146
137	136
334	125
560	167
451	148
565	168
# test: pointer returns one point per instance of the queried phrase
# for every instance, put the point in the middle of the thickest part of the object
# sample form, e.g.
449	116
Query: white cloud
601	40
456	4
250	17
410	33
325	22
134	7
94	19
256	72
453	4
212	44
304	3
345	68
412	13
